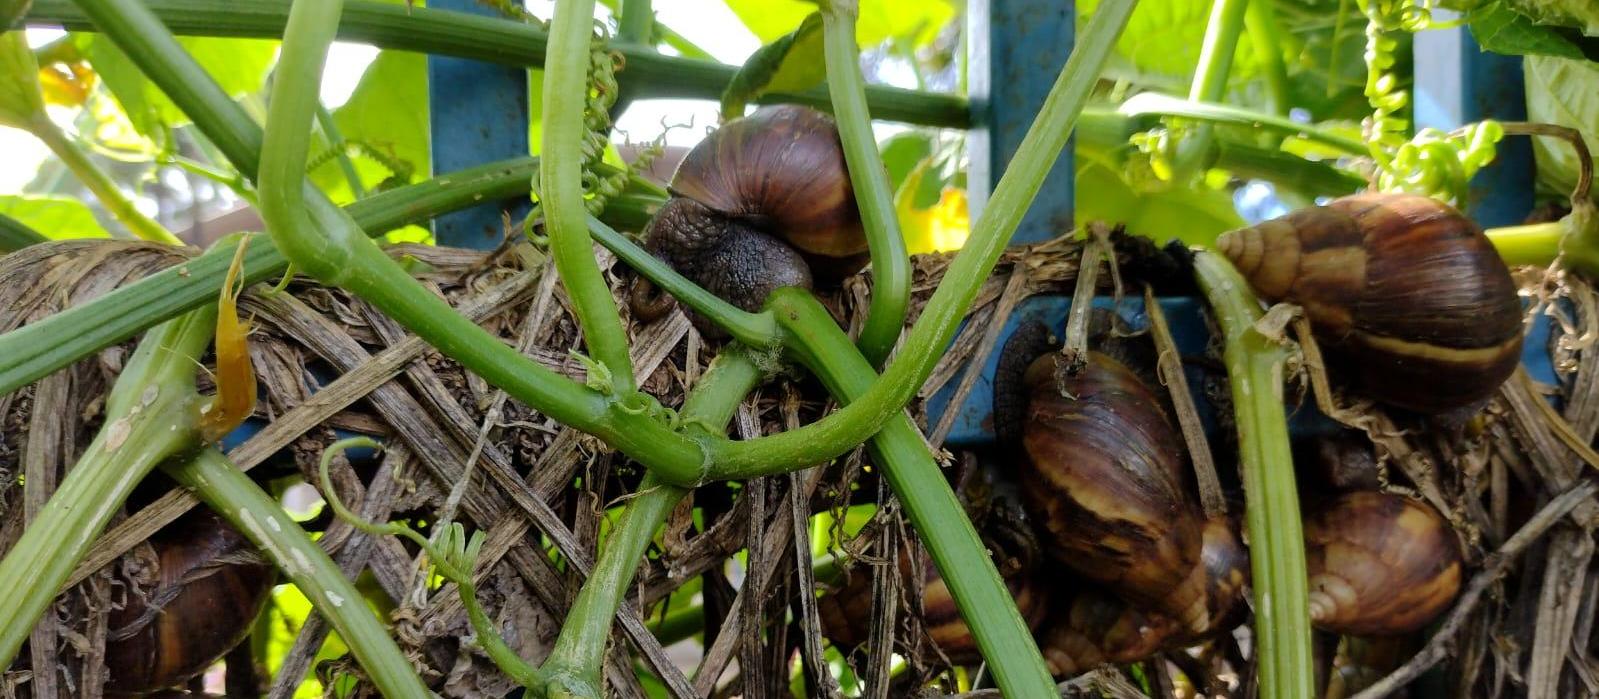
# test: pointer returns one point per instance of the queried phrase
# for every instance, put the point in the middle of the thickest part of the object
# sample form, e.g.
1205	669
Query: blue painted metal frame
479	114
1013	60
1017	48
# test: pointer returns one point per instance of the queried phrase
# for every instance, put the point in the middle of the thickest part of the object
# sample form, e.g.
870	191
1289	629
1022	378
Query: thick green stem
991	231
1156	104
577	660
1210	79
649	75
112	198
637	24
151	414
561	190
901	452
34	350
240	501
891	267
14	236
1532	244
1276	540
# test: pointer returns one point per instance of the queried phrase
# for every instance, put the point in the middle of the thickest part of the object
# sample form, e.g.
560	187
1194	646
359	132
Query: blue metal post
1458	83
1017	49
479	114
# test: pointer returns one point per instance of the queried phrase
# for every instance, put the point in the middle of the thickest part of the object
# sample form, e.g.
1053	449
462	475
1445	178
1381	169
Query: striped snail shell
210	589
1379	564
1102	470
1405	288
1094	627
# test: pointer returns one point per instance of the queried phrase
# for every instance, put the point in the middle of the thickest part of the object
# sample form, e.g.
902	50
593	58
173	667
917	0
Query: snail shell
1102	474
1405	287
1379	564
210	589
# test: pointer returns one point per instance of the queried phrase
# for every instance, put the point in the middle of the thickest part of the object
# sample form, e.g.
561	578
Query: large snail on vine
1102	470
762	203
210	587
1405	289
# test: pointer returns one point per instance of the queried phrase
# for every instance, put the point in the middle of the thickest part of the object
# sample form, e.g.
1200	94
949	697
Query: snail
1337	463
211	587
763	203
1093	627
1379	564
1101	467
1403	288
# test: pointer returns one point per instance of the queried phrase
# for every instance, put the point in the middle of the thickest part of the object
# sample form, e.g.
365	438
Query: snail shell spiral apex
1405	288
1379	564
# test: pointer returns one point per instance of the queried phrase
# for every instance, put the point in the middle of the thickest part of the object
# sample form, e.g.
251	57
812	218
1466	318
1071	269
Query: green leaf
386	120
1565	92
1503	30
57	218
793	63
1194	215
1578	14
21	103
914	21
902	152
239	65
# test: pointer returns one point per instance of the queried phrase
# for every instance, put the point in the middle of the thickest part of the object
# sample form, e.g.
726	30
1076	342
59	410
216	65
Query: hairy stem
330	129
561	190
891	267
1271	504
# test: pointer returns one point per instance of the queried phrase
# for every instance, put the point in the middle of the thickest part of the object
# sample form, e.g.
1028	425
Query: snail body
210	589
1405	287
762	203
1379	564
1101	469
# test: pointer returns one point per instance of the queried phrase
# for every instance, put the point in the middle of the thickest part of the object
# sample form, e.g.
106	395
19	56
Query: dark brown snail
210	588
1404	288
1379	564
1102	470
1337	463
1093	627
762	203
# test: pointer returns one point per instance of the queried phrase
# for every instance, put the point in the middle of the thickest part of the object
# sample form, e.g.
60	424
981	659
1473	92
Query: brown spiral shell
210	589
783	169
1103	476
1379	564
1093	627
1405	288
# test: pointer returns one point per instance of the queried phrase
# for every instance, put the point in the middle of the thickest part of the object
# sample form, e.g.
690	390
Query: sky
709	25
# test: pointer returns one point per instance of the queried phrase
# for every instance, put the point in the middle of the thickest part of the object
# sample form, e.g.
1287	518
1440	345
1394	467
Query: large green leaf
239	65
1194	215
1566	92
1500	29
793	63
914	21
1579	14
386	118
58	218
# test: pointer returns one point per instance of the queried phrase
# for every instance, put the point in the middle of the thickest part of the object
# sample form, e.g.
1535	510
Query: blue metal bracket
1017	48
479	114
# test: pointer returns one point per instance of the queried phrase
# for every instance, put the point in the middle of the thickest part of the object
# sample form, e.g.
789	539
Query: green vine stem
1276	540
341	150
37	349
106	191
902	453
151	414
14	236
649	74
1156	104
561	187
1210	79
240	501
637	25
891	267
577	660
1264	32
